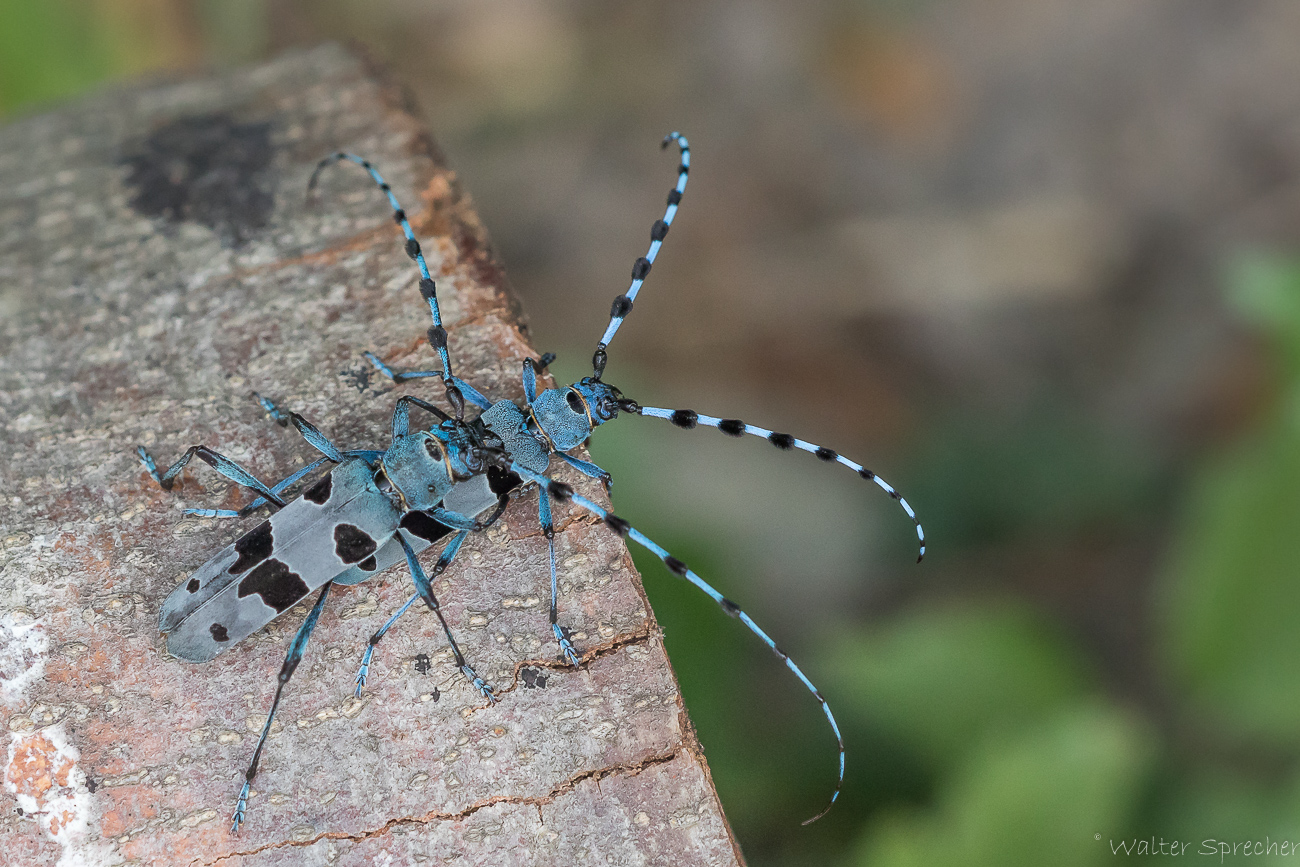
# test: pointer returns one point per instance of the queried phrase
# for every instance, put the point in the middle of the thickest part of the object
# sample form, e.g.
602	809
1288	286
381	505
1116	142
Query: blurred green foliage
49	50
1045	472
1232	590
1033	799
940	680
1265	291
979	732
1029	760
54	49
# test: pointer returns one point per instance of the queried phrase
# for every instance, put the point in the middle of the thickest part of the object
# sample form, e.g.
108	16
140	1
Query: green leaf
1231	597
1039	798
943	680
1265	290
48	50
1223	803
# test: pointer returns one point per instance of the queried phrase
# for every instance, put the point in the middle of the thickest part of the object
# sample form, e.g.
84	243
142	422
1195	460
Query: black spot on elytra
193	586
219	632
420	524
352	544
423	663
253	547
207	169
319	493
369	564
533	679
278	587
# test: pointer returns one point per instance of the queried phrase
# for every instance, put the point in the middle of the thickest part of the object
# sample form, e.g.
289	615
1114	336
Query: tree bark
159	261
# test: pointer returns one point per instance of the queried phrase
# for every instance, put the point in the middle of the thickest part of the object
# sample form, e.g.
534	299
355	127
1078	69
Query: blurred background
1031	260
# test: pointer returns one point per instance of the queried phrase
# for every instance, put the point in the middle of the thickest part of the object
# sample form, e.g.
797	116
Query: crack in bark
630	769
600	651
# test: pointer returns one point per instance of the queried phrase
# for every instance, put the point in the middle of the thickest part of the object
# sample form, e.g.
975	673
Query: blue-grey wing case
339	523
470	498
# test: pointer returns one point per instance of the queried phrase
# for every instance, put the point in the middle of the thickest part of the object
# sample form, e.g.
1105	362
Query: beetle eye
431	446
575	400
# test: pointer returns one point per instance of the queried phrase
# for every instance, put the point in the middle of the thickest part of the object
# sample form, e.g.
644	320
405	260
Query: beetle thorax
420	468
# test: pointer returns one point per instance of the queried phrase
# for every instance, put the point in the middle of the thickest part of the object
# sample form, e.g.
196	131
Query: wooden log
160	261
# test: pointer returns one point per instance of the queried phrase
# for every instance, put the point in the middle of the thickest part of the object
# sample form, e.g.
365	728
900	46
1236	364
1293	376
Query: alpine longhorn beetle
371	511
372	507
556	421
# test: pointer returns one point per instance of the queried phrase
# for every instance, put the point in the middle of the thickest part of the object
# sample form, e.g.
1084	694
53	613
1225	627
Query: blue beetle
555	421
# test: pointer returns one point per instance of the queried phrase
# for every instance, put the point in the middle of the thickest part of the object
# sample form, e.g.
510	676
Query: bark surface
160	261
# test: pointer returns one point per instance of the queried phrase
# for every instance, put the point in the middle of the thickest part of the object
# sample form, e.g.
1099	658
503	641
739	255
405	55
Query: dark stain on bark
207	169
